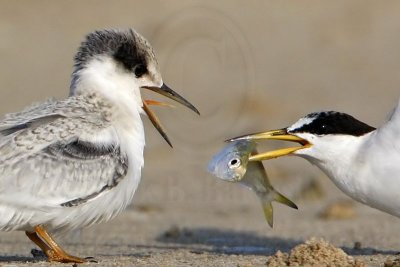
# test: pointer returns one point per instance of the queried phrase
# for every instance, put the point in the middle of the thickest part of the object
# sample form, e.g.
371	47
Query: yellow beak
282	135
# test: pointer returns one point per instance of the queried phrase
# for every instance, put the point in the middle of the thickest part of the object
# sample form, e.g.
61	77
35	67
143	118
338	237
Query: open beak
168	92
158	103
282	135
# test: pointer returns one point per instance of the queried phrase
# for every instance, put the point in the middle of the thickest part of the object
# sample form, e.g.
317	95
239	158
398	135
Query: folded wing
46	158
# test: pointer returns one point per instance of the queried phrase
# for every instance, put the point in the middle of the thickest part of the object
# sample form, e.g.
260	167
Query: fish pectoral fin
268	212
284	200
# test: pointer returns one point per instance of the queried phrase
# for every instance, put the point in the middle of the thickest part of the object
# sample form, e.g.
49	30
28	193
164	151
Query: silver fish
232	164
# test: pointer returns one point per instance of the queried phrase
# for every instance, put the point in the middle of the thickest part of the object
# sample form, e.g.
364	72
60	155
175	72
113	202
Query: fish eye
234	163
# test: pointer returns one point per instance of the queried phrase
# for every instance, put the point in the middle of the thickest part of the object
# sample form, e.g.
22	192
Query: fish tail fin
268	212
267	205
284	200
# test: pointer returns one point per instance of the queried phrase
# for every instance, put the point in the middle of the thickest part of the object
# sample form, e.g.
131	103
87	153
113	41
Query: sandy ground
222	235
247	66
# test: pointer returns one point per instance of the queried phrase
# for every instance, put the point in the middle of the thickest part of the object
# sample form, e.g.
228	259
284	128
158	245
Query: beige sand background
247	66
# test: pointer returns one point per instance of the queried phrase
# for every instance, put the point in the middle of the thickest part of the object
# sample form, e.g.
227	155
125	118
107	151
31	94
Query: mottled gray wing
30	113
27	132
43	161
78	172
41	113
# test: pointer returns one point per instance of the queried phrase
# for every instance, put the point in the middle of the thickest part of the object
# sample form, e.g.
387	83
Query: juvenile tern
71	163
362	161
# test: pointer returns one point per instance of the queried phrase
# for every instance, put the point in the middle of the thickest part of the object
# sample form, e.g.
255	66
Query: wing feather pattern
46	161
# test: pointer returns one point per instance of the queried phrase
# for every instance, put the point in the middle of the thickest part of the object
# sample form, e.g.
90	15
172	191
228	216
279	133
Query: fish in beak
168	92
282	135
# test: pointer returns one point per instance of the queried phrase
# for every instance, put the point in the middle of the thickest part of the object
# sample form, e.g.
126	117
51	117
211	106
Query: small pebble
357	245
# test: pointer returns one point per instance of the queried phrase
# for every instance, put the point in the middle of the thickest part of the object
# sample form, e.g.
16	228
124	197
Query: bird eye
234	163
324	129
139	70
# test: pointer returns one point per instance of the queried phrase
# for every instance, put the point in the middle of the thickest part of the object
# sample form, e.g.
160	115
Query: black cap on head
332	122
126	46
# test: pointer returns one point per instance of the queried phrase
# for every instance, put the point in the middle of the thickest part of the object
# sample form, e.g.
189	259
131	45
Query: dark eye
234	163
139	70
324	129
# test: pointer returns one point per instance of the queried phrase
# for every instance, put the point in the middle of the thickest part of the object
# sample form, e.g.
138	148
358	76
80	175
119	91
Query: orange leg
36	239
53	251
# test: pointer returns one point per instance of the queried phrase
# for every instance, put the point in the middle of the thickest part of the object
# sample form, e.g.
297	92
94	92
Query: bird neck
103	79
340	157
103	76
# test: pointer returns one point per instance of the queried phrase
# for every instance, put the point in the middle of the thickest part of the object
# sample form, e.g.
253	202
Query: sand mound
314	253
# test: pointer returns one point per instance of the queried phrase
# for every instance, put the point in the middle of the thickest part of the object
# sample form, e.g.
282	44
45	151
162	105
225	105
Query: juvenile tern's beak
282	135
158	103
168	92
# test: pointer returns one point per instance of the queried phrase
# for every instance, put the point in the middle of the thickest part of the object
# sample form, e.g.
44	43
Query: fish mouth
282	135
167	92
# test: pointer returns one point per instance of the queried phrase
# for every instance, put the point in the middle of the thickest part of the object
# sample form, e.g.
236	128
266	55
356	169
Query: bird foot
55	256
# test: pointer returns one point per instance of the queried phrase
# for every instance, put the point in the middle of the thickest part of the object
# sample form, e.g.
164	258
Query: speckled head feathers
127	47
